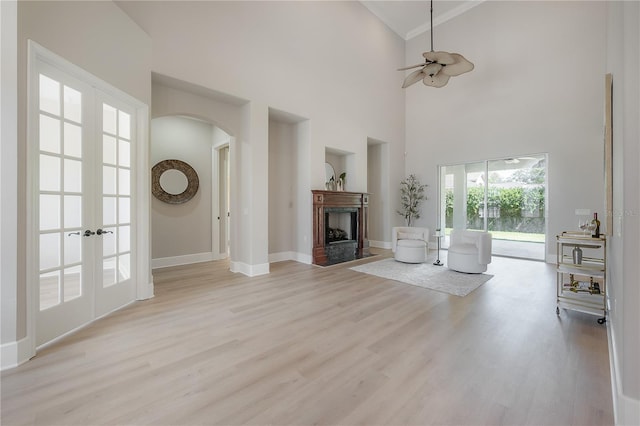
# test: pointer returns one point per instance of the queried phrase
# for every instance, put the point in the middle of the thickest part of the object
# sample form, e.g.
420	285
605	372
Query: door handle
100	231
88	233
73	233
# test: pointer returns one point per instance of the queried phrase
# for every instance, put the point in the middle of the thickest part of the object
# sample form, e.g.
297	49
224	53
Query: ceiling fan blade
412	66
432	69
438	80
443	58
460	66
413	78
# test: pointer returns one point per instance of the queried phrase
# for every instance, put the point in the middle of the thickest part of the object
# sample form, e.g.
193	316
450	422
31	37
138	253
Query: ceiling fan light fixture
437	67
438	80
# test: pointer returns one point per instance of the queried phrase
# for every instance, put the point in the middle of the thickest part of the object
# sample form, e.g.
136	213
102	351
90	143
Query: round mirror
174	182
329	172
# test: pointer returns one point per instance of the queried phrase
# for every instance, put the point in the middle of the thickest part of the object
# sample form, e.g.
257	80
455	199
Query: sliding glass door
505	197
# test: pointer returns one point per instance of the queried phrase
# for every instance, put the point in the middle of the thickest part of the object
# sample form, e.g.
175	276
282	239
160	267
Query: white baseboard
380	244
249	270
290	255
12	354
626	410
187	259
146	292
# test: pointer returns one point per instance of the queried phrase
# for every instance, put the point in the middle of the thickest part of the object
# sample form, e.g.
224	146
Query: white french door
81	165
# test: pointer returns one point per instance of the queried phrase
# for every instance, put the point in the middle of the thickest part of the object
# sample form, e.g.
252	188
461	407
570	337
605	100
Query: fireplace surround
340	226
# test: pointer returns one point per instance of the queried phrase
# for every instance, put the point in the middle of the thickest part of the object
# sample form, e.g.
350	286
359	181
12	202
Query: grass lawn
513	236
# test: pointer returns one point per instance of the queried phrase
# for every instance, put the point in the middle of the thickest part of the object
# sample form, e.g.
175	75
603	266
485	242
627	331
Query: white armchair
469	251
409	244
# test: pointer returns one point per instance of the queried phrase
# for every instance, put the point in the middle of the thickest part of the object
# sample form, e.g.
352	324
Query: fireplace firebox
340	226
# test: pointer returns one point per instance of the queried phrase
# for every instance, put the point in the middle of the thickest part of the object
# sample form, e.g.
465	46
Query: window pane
124	128
49	250
72	176
72	211
124	267
49	289
109	180
109	243
109	272
125	210
123	238
72	248
49	173
124	154
109	211
72	140
108	149
72	283
49	95
49	134
108	119
72	104
124	187
49	212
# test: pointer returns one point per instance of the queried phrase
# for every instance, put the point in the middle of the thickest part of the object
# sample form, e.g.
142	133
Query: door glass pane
124	125
124	267
109	271
49	173
124	187
109	119
72	211
49	289
49	250
124	155
72	104
72	140
109	211
72	283
125	210
109	243
108	180
72	248
108	149
49	134
124	238
49	212
72	176
49	95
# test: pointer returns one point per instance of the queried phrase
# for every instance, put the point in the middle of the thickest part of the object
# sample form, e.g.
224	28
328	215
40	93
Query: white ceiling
411	18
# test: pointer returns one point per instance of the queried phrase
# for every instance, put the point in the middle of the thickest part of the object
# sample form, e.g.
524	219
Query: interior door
63	203
83	203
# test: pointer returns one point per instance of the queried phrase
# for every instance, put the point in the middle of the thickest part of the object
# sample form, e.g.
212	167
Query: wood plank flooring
308	345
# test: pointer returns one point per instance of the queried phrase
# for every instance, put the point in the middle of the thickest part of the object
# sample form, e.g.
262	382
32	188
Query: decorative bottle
596	225
577	255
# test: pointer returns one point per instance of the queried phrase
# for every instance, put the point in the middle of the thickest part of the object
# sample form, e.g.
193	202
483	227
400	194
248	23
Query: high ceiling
411	18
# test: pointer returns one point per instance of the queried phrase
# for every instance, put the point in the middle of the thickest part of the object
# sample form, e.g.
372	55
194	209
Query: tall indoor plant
411	195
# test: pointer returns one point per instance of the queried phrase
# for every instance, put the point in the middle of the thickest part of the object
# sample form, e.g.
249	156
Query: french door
81	166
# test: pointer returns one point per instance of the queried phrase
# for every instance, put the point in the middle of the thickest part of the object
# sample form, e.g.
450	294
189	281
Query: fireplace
340	226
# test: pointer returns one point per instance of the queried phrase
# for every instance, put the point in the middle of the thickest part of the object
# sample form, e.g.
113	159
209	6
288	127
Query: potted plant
411	195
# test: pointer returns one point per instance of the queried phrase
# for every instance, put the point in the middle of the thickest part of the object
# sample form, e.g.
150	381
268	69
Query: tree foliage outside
411	196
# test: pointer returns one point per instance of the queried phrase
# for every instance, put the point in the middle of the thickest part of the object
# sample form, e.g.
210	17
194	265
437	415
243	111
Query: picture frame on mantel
608	152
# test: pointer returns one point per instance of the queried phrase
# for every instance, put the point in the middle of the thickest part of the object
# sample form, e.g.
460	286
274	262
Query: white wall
537	87
332	62
282	182
101	39
623	62
183	229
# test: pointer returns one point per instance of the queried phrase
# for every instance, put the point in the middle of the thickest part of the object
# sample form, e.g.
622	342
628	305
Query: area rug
425	275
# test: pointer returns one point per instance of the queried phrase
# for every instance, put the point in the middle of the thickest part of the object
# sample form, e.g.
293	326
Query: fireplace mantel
339	199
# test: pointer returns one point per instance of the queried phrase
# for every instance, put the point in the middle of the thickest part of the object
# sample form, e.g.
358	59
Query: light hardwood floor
309	345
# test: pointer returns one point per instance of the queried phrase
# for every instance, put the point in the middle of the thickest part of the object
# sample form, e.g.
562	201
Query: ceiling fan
438	67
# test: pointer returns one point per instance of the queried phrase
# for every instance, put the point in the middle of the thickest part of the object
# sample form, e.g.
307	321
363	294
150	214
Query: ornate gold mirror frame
192	181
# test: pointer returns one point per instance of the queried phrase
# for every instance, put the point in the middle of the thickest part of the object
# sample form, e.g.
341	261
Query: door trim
142	192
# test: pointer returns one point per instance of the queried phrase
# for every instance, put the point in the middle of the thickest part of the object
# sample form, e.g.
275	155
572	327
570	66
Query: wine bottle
595	223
